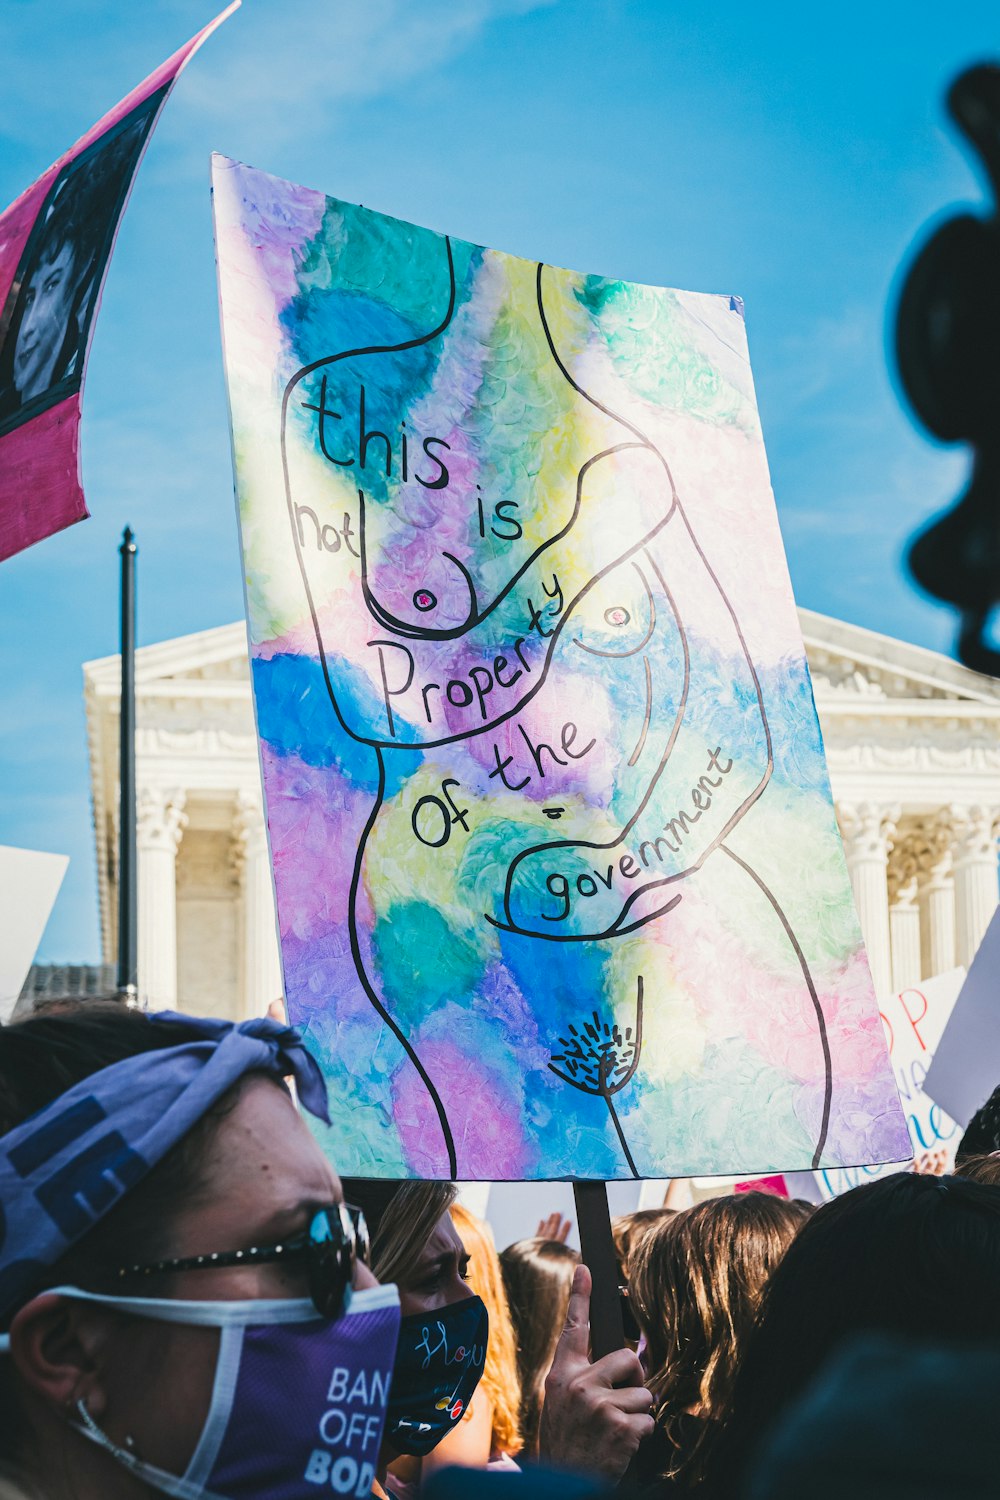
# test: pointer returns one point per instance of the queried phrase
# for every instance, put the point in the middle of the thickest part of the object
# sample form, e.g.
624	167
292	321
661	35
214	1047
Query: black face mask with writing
439	1362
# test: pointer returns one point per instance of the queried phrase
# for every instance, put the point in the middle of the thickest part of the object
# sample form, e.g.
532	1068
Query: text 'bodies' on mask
298	1403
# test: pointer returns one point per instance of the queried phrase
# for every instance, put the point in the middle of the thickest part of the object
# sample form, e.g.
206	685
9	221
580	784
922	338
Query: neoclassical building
912	740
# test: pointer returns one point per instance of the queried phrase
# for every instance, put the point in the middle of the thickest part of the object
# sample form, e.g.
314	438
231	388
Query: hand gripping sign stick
597	1408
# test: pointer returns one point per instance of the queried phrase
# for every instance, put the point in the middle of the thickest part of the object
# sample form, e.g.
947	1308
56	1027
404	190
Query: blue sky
788	153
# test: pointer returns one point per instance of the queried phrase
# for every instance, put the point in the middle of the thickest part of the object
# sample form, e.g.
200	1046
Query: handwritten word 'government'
676	830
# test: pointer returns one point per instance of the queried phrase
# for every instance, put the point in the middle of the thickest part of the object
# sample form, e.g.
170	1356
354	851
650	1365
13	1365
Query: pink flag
775	1185
55	245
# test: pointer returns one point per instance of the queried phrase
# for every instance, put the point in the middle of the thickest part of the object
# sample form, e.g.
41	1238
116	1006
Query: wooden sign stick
597	1250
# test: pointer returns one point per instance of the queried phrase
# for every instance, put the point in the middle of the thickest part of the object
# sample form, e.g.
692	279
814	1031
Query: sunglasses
337	1238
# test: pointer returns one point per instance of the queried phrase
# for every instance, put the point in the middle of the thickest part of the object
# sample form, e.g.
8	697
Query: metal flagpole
127	887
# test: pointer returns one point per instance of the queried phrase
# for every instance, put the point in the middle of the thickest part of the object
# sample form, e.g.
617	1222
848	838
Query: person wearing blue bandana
185	1302
183	1296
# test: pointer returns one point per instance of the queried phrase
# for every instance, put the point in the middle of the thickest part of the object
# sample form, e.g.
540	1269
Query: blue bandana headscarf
69	1164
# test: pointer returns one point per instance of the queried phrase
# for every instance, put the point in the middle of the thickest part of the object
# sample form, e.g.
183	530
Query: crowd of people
194	1303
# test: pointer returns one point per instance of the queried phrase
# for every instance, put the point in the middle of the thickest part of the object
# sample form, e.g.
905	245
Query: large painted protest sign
915	1021
559	883
55	246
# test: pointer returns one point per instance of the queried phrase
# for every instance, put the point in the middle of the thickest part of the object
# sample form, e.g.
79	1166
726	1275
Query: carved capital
934	838
249	833
904	867
160	819
868	829
975	831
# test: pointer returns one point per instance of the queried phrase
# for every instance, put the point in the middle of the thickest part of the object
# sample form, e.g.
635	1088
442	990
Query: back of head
538	1276
982	1134
60	1044
696	1281
501	1381
628	1229
888	1419
984	1169
908	1255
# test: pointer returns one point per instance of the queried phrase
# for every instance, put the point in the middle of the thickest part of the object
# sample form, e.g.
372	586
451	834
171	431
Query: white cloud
286	67
292	67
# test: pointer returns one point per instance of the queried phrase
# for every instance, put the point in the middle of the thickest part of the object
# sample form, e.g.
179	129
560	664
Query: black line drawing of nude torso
478	648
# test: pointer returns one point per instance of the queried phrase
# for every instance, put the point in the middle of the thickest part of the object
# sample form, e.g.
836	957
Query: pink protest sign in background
916	1021
55	245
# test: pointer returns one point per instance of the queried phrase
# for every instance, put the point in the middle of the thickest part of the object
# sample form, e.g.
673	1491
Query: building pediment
186	664
851	666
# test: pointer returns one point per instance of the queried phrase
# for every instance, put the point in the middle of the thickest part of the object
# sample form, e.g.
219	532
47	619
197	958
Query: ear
57	1347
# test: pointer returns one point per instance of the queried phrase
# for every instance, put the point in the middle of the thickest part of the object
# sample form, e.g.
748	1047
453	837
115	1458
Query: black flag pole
128	962
597	1251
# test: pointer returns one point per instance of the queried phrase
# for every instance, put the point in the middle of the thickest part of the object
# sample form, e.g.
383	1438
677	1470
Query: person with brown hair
185	1301
538	1277
696	1281
984	1168
628	1229
906	1256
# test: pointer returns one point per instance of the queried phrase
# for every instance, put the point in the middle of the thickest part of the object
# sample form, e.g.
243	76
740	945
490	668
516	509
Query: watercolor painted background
559	884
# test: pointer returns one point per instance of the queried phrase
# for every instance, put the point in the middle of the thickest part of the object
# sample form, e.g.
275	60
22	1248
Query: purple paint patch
479	1101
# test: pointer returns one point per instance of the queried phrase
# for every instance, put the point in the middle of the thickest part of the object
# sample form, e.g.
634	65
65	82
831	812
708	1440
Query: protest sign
29	884
559	884
914	1021
966	1066
55	245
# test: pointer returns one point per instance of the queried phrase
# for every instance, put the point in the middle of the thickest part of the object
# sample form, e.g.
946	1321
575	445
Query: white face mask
298	1401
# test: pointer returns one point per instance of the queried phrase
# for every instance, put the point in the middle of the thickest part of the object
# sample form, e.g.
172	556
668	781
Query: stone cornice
884	657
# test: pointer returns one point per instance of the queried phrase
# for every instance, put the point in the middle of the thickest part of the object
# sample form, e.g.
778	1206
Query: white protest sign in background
966	1066
29	884
915	1021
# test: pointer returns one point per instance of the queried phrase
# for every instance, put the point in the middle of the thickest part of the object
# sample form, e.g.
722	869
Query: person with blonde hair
600	1410
696	1280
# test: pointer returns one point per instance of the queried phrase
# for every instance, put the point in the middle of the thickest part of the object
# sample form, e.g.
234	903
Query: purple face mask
298	1403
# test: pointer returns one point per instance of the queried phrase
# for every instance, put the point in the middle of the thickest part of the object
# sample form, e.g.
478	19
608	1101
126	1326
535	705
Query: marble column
868	830
904	916
937	895
976	890
160	821
262	981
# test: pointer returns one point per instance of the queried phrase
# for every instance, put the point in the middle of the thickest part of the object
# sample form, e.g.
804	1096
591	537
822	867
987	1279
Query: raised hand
555	1227
931	1163
595	1414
